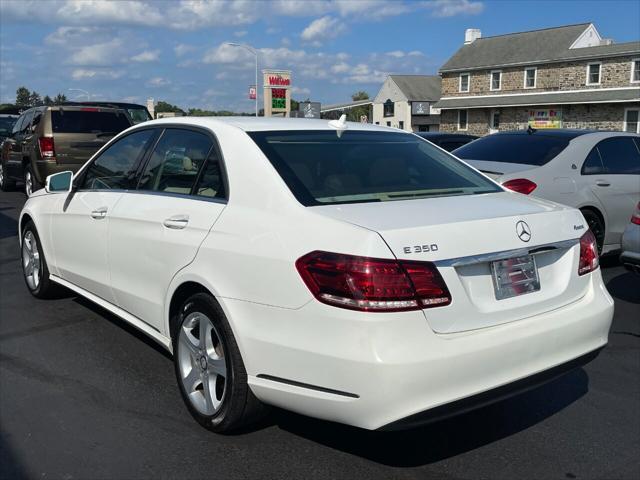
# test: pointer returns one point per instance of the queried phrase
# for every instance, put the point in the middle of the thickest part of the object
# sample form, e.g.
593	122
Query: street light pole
83	91
255	54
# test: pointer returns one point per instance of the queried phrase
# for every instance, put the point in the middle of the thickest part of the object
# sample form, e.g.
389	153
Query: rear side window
593	163
176	161
619	156
24	127
115	168
88	121
525	149
322	169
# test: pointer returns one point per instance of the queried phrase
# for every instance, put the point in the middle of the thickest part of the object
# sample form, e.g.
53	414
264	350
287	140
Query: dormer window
464	82
496	80
388	108
593	74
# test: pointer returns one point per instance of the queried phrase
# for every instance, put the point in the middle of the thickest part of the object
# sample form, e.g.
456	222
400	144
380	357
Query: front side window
321	168
619	156
176	161
462	119
635	71
389	108
464	82
115	168
530	77
593	74
631	123
496	80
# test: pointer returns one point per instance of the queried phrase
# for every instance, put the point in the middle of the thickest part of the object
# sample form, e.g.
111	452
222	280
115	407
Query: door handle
602	183
99	213
177	222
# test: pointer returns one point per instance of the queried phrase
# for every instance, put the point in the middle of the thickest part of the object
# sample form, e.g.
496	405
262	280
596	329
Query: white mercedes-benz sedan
348	272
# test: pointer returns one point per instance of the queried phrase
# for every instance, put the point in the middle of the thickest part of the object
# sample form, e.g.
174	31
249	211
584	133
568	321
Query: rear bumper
386	370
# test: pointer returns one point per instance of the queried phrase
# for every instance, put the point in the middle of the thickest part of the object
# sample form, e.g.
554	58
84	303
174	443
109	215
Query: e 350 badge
421	248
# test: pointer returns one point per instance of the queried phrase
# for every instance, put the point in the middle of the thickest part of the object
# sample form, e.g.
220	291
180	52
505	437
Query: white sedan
347	272
597	172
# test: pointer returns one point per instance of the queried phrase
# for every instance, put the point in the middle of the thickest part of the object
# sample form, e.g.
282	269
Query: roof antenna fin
340	125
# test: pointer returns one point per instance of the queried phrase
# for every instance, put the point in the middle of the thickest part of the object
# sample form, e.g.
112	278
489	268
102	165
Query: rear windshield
526	149
322	169
86	121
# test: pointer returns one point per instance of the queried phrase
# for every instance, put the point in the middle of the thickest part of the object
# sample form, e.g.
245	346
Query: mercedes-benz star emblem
523	231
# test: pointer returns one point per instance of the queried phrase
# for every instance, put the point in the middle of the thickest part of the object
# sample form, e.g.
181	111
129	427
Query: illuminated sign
277	95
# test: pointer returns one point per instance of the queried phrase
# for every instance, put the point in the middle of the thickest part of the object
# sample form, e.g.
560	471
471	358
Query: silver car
597	172
630	256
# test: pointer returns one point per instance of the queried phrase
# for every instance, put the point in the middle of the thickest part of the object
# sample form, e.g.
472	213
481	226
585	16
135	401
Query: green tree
59	99
23	97
167	107
360	95
34	99
47	100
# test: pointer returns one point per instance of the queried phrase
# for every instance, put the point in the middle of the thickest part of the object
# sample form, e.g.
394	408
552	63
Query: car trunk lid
463	235
495	170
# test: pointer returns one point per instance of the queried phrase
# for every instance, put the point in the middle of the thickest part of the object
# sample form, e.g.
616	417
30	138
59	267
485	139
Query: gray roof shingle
537	46
419	87
601	96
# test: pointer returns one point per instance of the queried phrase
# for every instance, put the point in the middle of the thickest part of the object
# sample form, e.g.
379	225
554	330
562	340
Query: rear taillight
47	148
589	260
520	185
371	284
635	218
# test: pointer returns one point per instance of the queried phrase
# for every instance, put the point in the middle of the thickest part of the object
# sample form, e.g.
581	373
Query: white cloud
240	33
341	67
105	53
85	74
451	8
396	54
158	82
146	56
182	49
323	28
227	54
300	90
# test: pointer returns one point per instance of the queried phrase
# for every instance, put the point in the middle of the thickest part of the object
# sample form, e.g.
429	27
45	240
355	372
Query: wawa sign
277	91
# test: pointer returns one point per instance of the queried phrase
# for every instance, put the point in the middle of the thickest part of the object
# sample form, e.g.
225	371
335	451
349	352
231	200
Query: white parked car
597	172
348	272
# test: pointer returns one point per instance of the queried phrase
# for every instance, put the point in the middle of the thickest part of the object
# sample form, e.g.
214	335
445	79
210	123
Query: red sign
279	80
252	93
278	93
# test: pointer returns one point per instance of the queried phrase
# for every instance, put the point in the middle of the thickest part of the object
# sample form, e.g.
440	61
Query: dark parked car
447	141
46	140
138	113
7	121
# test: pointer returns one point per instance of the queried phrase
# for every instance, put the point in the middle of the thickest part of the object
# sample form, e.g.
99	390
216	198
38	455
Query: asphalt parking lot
83	395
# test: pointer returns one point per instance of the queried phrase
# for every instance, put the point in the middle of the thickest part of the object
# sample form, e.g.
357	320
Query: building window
388	124
496	80
494	120
593	74
464	82
389	108
401	125
635	70
462	120
631	120
530	76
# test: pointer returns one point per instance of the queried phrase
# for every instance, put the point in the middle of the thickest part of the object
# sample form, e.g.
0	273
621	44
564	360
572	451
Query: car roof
435	135
258	124
104	103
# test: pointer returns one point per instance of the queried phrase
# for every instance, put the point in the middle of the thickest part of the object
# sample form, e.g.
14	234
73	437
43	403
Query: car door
157	229
80	224
615	180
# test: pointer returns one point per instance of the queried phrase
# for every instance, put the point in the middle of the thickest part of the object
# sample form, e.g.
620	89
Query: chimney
471	35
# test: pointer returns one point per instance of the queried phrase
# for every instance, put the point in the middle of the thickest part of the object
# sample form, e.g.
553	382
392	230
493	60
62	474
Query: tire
596	225
6	184
34	265
215	368
30	182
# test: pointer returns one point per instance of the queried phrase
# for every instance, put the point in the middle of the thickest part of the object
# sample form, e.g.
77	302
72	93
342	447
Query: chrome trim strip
490	257
185	196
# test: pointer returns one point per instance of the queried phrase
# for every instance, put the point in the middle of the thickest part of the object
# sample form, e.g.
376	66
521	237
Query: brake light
47	147
371	284
89	109
589	260
635	218
520	185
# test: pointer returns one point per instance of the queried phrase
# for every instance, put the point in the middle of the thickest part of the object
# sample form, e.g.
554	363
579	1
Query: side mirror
59	182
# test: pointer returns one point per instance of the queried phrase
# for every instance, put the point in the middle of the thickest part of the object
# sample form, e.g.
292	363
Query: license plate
515	276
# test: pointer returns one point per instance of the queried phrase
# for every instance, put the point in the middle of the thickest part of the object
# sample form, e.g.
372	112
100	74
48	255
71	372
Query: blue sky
174	50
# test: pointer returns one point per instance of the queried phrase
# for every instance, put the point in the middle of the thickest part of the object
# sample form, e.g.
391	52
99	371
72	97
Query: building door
494	121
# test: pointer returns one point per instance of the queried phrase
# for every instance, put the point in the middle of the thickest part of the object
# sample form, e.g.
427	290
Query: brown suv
48	140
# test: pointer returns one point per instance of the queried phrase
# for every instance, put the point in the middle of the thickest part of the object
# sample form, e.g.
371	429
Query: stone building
406	102
564	77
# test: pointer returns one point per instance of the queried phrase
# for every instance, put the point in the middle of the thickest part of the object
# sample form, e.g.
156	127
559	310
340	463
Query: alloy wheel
31	262
202	364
